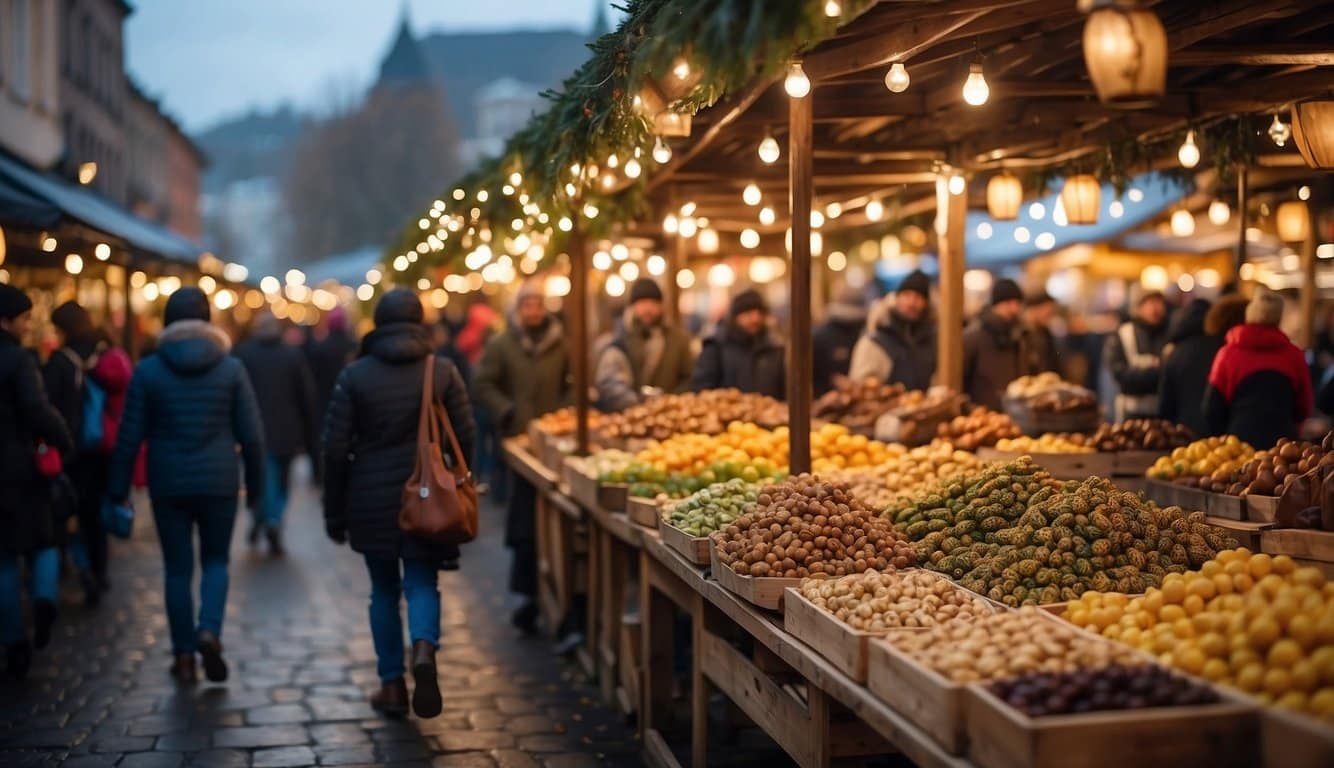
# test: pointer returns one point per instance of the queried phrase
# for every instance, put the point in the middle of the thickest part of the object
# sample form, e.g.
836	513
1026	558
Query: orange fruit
1262	633
1174	591
1193	604
1277	681
1202	587
1189	658
1213	645
1292	700
1251	678
1305	676
1214	670
1284	653
1260	565
1283	565
1223	584
1321	703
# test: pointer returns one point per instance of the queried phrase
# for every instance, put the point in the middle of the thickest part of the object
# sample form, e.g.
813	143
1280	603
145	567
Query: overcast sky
211	59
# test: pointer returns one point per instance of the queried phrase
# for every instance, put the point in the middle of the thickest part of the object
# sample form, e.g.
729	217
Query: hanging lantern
1294	222
1125	53
1313	132
1004	195
1081	197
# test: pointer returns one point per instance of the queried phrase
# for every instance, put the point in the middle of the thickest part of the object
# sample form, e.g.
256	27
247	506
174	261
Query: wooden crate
1134	463
613	496
1217	735
1293	740
696	549
1246	533
833	639
1168	494
645	512
1225	506
1062	466
917	692
1261	509
583	485
554	451
1315	546
763	592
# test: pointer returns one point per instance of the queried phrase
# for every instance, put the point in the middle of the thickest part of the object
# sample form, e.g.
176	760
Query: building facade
30	124
94	94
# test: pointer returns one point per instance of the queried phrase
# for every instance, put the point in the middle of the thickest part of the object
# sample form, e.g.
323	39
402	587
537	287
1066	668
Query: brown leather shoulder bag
438	505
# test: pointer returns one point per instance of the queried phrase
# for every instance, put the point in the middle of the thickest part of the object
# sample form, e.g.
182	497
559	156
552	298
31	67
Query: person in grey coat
645	353
995	351
899	346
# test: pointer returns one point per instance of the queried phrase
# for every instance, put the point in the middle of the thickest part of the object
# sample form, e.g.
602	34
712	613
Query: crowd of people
197	421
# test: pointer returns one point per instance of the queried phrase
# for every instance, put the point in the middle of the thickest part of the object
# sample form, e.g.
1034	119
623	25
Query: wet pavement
302	666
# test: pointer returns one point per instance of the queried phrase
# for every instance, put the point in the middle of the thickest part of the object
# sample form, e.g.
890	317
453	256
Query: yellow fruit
1292	700
1223	584
1324	628
1302	629
1171	613
1183	629
1251	678
1213	645
1079	616
1309	576
1321	703
1215	670
1153	601
1277	681
1262	633
1190	658
1260	565
1240	658
1305	676
1193	604
1284	653
1323	658
1210	568
1174	591
1283	610
1283	565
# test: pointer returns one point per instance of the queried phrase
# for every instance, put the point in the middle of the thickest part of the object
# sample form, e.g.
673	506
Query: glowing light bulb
1036	211
897	79
769	150
102	251
975	88
662	154
670	224
1182	223
767	216
1189	153
833	210
874	210
1116	209
832	9
750	238
817	219
74	263
1219	213
1304	193
632	169
797	85
1021	234
984	230
957	185
688	227
751	194
1279	131
708	241
1045	241
681	69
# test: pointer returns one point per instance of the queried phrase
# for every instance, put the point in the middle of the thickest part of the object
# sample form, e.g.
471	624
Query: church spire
601	25
404	64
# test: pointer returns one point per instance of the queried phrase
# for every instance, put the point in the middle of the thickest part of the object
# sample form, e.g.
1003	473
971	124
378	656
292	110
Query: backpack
99	420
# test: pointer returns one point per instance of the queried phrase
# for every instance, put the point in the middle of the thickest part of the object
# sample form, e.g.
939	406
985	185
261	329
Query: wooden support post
699	689
675	254
800	173
579	351
1242	193
1308	290
950	214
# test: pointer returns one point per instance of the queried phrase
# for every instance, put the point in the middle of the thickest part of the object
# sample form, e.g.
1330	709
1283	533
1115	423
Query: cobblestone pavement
302	666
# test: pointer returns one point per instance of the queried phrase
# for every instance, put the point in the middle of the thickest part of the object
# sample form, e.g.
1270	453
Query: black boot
391	699
20	659
525	617
183	669
210	650
43	616
256	530
275	536
426	689
92	589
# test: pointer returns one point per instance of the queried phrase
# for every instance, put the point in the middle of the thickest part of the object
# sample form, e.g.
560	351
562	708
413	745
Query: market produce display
1268	472
708	412
1009	644
1015	535
1117	686
804	527
604	464
1196	464
1139	435
1049	393
711	508
1048	443
875	601
1255	622
907	473
981	427
857	405
561	422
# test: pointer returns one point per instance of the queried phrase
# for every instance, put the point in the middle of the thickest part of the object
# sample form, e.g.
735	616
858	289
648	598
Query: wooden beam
1213	19
1243	200
899	45
951	212
579	351
1308	291
1256	55
799	382
738	108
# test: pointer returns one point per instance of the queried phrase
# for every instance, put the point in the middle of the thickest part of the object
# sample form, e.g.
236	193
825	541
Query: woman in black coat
28	528
370	450
1194	339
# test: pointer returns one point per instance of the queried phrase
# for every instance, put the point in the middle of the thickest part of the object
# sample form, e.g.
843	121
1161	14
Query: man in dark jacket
1133	356
326	356
645	352
833	341
287	405
1187	359
994	352
1260	386
370	451
193	404
1043	353
27	519
742	354
899	346
524	372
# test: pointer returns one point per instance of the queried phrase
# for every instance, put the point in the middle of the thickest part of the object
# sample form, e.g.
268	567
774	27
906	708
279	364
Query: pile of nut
906	474
805	526
856	405
1009	644
1052	442
1048	393
1140	435
873	601
979	428
707	412
1113	687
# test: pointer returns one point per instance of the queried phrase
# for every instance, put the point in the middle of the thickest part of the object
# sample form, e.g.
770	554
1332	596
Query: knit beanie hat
746	301
1039	298
1266	308
400	305
529	289
186	304
13	302
1005	289
645	288
917	282
71	319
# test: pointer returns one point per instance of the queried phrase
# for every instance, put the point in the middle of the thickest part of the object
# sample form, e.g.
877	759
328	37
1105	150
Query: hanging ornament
1279	132
1125	53
1081	197
1004	194
1189	152
897	79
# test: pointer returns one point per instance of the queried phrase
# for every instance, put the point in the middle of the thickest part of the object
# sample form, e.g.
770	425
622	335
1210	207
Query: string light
817	219
1116	209
833	210
957	185
751	194
688	227
49	244
1189	153
875	210
632	169
685	279
797	85
74	263
656	265
975	88
1303	193
769	150
670	224
102	251
565	225
750	238
767	216
1021	234
662	154
897	79
1036	210
681	69
1219	213
1279	131
984	230
832	9
1182	223
708	241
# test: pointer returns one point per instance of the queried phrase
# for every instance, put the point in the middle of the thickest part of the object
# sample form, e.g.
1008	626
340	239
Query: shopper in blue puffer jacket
193	404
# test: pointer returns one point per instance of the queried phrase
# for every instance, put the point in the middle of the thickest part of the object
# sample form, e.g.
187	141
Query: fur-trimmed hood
193	347
882	315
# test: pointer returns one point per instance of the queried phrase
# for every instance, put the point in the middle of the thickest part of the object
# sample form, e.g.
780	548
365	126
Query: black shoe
210	650
392	699
525	618
20	659
449	564
183	669
256	530
43	616
426	690
92	590
569	644
275	537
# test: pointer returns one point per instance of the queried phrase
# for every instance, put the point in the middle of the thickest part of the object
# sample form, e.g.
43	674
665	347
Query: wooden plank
696	549
1169	494
521	459
1223	734
879	50
577	317
656	752
645	512
925	698
1254	55
1292	740
1062	466
613	496
952	211
1134	463
1225	506
1261	509
1317	546
1246	533
765	592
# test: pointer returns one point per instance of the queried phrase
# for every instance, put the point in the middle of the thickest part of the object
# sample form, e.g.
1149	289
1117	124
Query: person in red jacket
1260	386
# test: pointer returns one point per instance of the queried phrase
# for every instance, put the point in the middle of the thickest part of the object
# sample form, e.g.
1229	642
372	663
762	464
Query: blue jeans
45	567
418	583
176	520
276	475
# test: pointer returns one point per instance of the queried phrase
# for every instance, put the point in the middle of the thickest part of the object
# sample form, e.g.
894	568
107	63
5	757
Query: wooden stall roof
1225	58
